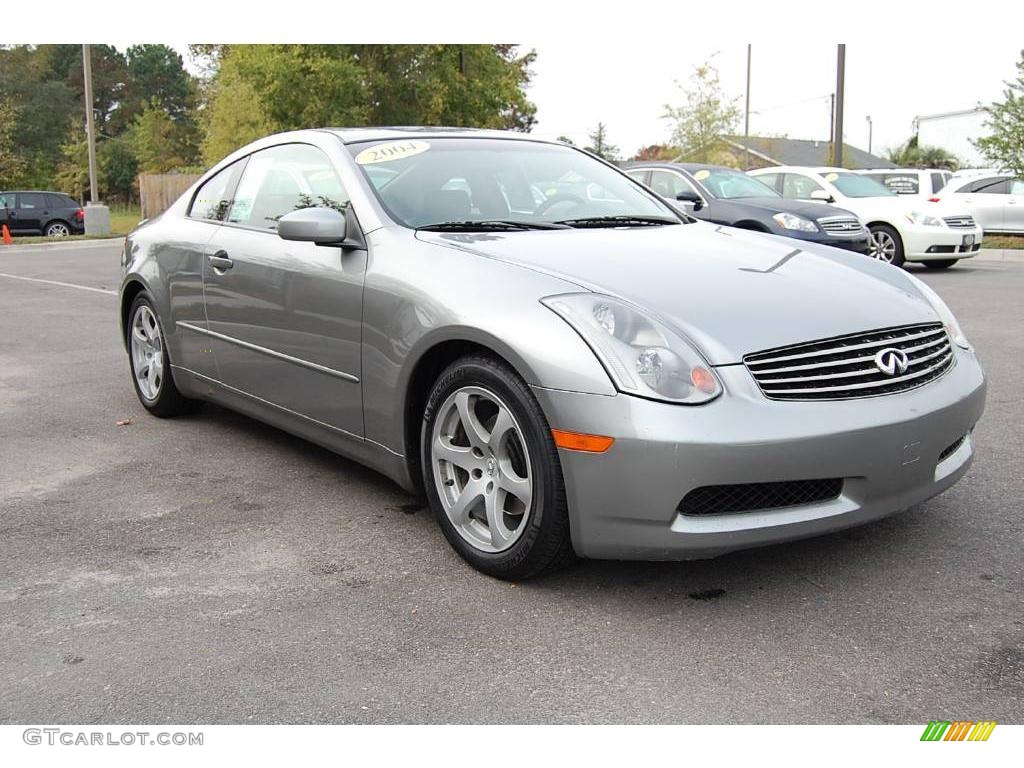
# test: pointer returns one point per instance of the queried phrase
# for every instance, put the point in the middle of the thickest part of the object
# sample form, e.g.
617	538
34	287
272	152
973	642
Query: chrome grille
959	222
840	225
843	367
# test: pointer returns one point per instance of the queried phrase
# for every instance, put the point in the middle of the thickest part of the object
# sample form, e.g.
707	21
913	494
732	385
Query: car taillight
79	215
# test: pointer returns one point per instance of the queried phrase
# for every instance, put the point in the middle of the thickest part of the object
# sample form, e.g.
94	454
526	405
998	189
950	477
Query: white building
953	131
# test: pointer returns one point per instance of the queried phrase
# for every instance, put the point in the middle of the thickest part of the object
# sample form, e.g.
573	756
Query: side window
639	175
6	201
56	201
938	181
900	183
669	185
1017	187
31	201
993	187
214	197
282	179
771	179
799	187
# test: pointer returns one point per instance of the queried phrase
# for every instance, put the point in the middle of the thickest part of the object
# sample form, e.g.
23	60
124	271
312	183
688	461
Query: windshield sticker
831	176
702	174
391	150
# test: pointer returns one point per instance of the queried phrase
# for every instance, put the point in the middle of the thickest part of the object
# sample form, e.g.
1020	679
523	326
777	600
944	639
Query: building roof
804	152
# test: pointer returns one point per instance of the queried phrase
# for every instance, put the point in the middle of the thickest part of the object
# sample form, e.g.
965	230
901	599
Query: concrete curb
73	244
999	254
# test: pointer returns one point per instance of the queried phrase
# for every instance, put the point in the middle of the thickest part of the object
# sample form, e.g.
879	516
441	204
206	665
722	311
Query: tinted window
992	187
31	200
727	184
799	187
899	183
283	179
213	198
938	181
6	201
460	179
669	184
56	201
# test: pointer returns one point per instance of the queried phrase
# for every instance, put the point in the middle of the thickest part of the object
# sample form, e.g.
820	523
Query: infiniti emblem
892	361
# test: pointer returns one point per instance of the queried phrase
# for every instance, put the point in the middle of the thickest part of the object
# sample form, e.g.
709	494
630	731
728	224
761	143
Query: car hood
770	205
730	291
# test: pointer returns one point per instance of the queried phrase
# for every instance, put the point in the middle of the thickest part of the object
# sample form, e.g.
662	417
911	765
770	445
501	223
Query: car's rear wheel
886	244
57	229
491	471
151	366
940	263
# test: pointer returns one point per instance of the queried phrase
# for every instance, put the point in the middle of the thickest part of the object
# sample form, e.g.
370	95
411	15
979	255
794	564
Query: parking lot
212	569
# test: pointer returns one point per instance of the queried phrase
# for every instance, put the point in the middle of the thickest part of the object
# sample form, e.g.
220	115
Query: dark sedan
53	214
726	196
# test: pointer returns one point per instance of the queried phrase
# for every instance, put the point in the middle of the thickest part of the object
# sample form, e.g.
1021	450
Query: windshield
430	182
727	184
856	185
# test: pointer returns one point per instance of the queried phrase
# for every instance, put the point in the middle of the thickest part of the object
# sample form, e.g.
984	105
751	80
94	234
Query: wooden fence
157	191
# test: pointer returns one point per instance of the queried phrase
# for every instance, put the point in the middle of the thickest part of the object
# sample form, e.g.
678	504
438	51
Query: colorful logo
958	730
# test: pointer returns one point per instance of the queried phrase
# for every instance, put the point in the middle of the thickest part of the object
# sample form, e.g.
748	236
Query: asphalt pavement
212	569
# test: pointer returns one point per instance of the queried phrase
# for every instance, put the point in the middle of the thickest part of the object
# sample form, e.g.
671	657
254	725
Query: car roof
32	192
398	132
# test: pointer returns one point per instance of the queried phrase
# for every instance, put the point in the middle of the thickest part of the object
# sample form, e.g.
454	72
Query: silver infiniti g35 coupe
559	361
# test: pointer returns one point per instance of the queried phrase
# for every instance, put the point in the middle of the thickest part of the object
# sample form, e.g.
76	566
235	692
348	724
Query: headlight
945	315
792	221
923	219
642	356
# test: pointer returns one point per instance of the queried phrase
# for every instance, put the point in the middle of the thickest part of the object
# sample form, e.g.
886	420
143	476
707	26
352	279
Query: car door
987	201
1014	212
30	212
285	317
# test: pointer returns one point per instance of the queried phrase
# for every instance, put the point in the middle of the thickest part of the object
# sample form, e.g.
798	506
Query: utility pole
97	216
831	117
870	131
90	127
746	113
840	84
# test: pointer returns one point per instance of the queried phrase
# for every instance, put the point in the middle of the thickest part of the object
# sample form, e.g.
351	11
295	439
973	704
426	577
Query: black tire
940	263
544	544
169	401
51	227
897	257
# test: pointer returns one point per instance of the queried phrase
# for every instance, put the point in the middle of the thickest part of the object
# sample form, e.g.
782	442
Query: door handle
220	260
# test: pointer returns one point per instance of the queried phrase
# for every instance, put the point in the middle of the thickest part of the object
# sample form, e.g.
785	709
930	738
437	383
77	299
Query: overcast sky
626	85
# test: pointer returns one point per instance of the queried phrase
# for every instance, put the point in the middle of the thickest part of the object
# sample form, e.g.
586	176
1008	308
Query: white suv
995	200
902	228
911	182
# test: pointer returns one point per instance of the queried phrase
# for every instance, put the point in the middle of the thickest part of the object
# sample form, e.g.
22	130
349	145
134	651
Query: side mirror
691	197
323	226
821	194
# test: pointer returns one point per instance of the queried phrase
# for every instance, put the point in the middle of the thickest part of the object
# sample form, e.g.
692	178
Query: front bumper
858	243
929	243
623	503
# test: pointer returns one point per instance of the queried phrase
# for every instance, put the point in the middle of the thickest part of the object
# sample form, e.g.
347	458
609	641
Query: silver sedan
560	362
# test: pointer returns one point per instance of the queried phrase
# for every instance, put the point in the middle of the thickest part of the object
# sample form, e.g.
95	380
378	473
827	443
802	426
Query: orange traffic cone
7	235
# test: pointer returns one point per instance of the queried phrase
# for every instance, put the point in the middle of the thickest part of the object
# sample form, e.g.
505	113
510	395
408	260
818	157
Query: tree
657	152
157	77
1005	146
12	164
259	89
566	140
599	144
705	117
911	154
159	144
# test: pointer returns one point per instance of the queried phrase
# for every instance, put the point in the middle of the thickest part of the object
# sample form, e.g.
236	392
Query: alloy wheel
147	352
481	468
883	246
58	230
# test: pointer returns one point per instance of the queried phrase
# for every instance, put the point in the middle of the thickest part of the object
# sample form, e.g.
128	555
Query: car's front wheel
151	366
886	244
491	471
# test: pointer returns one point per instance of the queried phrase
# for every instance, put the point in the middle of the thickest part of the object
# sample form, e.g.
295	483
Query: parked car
53	214
912	182
727	196
588	374
901	229
996	201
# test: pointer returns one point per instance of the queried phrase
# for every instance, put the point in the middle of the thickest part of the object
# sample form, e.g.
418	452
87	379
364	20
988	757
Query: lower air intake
747	497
